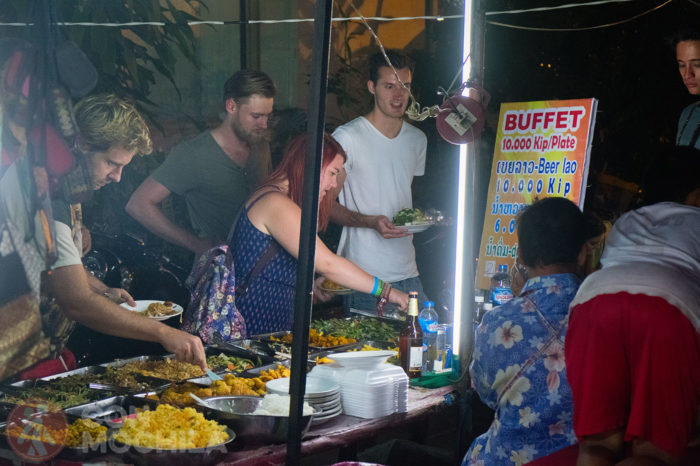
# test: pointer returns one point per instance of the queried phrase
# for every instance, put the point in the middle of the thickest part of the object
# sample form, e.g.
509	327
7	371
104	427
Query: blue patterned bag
212	306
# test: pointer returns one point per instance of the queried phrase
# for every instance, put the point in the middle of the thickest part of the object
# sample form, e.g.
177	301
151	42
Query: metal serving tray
313	350
17	388
122	362
148	383
238	350
106	410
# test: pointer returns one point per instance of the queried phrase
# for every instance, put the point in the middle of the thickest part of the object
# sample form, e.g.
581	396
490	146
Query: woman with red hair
273	215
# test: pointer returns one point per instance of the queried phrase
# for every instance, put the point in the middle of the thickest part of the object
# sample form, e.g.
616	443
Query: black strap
264	258
262	262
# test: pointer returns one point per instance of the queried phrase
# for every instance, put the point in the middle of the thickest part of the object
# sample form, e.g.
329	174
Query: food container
145	382
233	349
235	412
108	410
161	457
26	389
123	362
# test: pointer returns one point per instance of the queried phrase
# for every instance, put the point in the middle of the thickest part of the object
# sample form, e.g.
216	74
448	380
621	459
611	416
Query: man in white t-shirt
384	154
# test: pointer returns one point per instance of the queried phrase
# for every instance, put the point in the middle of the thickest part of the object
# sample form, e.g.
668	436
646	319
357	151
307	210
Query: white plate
142	305
333	290
315	387
361	359
417	228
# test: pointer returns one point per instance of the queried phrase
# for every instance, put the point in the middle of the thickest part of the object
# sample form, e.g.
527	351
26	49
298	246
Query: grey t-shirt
212	185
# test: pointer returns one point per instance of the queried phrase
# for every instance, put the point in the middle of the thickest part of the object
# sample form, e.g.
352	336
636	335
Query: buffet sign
542	150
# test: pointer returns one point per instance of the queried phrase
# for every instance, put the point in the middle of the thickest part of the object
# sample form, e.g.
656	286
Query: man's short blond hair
107	121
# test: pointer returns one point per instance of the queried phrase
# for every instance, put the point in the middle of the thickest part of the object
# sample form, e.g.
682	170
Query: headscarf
654	251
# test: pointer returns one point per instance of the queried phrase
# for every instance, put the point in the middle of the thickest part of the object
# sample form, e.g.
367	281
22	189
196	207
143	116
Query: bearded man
215	171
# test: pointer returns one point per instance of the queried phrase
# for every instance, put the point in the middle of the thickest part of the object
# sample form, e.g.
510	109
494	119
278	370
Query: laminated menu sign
542	150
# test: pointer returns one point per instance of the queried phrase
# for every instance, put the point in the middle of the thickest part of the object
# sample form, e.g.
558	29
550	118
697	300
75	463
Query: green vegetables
77	395
408	217
357	328
232	363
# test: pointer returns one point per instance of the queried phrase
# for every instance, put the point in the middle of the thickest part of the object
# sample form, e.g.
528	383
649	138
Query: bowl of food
169	436
256	419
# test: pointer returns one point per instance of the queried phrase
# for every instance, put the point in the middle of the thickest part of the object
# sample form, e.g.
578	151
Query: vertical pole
463	337
243	34
309	215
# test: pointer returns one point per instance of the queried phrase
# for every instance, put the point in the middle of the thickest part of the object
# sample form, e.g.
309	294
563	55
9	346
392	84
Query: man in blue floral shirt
518	367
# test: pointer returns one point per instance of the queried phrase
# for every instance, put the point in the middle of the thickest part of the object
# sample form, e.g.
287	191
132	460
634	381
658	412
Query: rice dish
278	405
171	428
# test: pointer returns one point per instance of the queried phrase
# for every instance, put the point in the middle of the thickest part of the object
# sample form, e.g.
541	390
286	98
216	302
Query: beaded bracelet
383	298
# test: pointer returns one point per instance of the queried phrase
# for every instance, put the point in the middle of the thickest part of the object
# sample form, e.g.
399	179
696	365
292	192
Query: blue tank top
268	306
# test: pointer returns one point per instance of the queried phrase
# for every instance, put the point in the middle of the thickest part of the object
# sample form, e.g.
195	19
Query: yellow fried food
324	360
85	432
171	428
317	338
38	432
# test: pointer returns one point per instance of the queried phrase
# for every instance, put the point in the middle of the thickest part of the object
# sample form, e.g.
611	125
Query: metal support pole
242	34
309	215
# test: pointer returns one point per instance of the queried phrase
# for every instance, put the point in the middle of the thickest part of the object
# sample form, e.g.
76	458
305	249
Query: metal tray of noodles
106	378
168	363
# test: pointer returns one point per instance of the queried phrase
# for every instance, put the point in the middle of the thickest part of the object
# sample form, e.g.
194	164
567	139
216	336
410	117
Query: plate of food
413	220
155	309
330	286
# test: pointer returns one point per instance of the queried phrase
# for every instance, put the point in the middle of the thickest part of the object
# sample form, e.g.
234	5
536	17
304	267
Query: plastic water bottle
428	320
500	286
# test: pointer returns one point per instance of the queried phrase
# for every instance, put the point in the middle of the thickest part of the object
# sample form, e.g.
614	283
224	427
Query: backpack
212	283
212	306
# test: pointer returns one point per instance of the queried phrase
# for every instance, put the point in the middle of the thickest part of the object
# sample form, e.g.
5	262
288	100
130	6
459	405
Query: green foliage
127	58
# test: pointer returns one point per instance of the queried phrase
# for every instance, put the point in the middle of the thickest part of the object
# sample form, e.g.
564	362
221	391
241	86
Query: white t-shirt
380	172
11	195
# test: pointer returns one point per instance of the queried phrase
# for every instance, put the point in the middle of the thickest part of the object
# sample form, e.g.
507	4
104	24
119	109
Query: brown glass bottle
411	340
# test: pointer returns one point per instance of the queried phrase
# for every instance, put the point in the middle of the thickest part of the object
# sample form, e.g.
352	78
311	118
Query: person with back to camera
633	347
111	132
687	47
215	171
518	366
273	215
384	154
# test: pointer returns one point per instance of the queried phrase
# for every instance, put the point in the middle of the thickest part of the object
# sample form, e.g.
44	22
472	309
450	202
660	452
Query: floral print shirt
533	414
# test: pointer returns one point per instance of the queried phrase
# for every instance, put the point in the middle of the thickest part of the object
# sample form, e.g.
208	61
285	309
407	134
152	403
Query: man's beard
250	137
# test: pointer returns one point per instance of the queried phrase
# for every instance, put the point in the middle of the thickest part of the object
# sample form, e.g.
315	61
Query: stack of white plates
370	387
321	393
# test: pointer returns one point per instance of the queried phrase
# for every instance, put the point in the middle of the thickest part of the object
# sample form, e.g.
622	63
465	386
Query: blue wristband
376	285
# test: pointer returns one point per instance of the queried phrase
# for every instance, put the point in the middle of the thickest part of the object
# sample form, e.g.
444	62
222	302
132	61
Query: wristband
376	284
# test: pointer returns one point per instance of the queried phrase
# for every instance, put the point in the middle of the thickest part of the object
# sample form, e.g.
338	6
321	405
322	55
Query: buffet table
340	433
345	431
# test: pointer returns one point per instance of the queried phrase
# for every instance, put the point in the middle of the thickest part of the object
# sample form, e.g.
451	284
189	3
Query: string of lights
385	19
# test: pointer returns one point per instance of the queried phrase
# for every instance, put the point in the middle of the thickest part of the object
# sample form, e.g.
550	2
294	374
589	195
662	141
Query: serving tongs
256	347
110	387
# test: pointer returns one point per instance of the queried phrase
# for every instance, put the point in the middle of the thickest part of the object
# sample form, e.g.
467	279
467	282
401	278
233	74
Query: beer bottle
411	340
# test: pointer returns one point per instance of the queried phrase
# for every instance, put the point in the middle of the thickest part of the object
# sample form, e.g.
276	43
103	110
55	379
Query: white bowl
361	359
